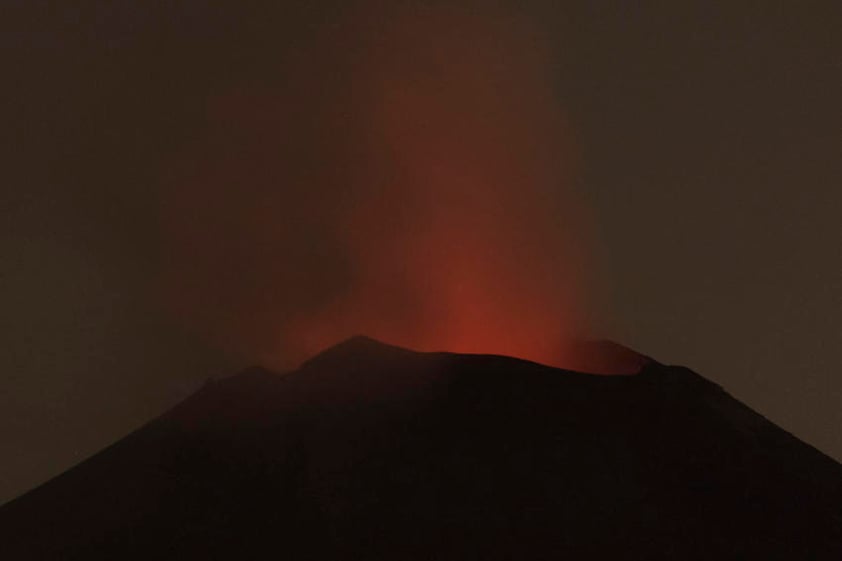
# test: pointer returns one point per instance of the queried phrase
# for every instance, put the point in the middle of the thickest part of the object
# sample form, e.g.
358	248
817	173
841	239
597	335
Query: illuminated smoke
404	176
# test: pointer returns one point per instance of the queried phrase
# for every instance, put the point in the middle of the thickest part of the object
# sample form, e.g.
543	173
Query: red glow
408	181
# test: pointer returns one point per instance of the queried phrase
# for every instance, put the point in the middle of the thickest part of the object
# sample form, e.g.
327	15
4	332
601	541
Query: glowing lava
408	180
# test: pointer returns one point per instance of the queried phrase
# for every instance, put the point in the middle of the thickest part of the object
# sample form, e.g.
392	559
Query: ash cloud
405	175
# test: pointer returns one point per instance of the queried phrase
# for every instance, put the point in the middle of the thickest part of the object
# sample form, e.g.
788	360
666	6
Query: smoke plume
403	175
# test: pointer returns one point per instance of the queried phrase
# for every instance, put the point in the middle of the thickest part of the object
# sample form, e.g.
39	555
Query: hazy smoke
404	175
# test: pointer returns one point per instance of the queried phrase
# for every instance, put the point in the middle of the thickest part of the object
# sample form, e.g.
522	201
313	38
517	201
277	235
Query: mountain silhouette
369	451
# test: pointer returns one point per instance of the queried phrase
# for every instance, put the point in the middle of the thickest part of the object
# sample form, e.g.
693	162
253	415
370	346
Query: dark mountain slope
374	452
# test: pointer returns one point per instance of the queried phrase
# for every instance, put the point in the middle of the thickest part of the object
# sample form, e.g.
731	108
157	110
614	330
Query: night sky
700	178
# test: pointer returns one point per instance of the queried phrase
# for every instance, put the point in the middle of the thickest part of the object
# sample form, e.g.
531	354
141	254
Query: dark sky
707	138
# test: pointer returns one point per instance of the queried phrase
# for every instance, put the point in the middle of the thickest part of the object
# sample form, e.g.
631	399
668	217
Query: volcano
369	451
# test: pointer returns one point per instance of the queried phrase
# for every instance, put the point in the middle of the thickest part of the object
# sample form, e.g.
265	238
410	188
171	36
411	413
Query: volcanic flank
369	451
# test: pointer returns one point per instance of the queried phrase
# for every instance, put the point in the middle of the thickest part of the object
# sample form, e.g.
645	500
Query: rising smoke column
408	179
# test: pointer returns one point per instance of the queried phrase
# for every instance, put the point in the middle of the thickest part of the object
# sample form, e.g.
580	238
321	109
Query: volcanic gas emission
405	176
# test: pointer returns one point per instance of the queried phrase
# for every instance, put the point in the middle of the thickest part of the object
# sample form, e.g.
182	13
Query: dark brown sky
708	137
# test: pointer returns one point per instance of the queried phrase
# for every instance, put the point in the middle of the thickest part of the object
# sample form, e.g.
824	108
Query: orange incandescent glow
405	177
